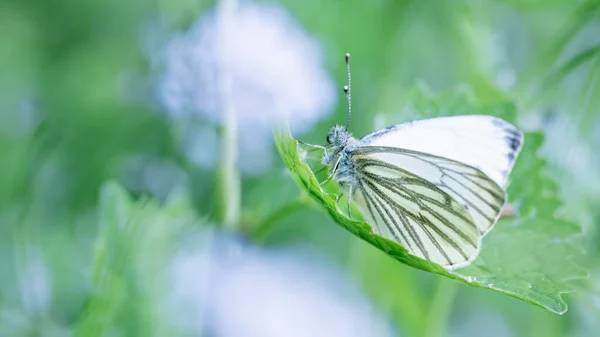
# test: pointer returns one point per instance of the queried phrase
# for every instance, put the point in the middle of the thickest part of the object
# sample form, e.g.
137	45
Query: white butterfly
436	186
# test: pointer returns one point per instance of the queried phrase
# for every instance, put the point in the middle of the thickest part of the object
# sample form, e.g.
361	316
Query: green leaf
527	257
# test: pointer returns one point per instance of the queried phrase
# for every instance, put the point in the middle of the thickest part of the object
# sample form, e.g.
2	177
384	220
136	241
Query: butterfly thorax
337	154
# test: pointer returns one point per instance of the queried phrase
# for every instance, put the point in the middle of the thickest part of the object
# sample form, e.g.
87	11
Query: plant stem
229	177
229	183
440	308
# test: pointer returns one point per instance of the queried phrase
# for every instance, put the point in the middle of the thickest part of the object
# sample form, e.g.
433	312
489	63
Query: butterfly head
337	140
338	136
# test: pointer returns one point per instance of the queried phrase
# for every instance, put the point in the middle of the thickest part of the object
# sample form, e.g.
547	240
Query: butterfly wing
437	208
487	143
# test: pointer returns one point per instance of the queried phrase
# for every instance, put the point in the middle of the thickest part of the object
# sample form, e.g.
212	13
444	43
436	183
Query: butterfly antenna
347	89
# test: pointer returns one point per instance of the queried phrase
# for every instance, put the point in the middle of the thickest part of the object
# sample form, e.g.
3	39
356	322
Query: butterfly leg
313	145
332	173
349	198
327	179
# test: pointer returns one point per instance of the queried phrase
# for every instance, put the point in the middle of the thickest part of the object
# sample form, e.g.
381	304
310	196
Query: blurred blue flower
230	289
35	287
31	314
276	76
148	174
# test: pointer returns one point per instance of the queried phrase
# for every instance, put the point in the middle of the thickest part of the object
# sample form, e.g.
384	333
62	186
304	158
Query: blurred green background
80	107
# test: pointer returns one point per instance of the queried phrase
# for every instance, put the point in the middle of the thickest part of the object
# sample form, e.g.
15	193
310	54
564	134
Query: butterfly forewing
487	143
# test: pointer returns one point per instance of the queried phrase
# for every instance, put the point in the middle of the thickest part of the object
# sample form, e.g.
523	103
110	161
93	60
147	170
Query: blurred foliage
135	245
77	110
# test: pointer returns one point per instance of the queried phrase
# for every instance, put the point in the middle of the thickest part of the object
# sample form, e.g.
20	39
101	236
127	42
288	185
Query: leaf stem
440	307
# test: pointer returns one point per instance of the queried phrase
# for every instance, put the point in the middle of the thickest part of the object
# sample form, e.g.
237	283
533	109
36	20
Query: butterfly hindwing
437	208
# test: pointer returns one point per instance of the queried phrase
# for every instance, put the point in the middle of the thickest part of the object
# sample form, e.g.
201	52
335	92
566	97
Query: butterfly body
338	155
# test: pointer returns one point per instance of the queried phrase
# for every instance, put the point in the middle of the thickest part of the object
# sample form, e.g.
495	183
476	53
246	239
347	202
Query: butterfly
436	186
